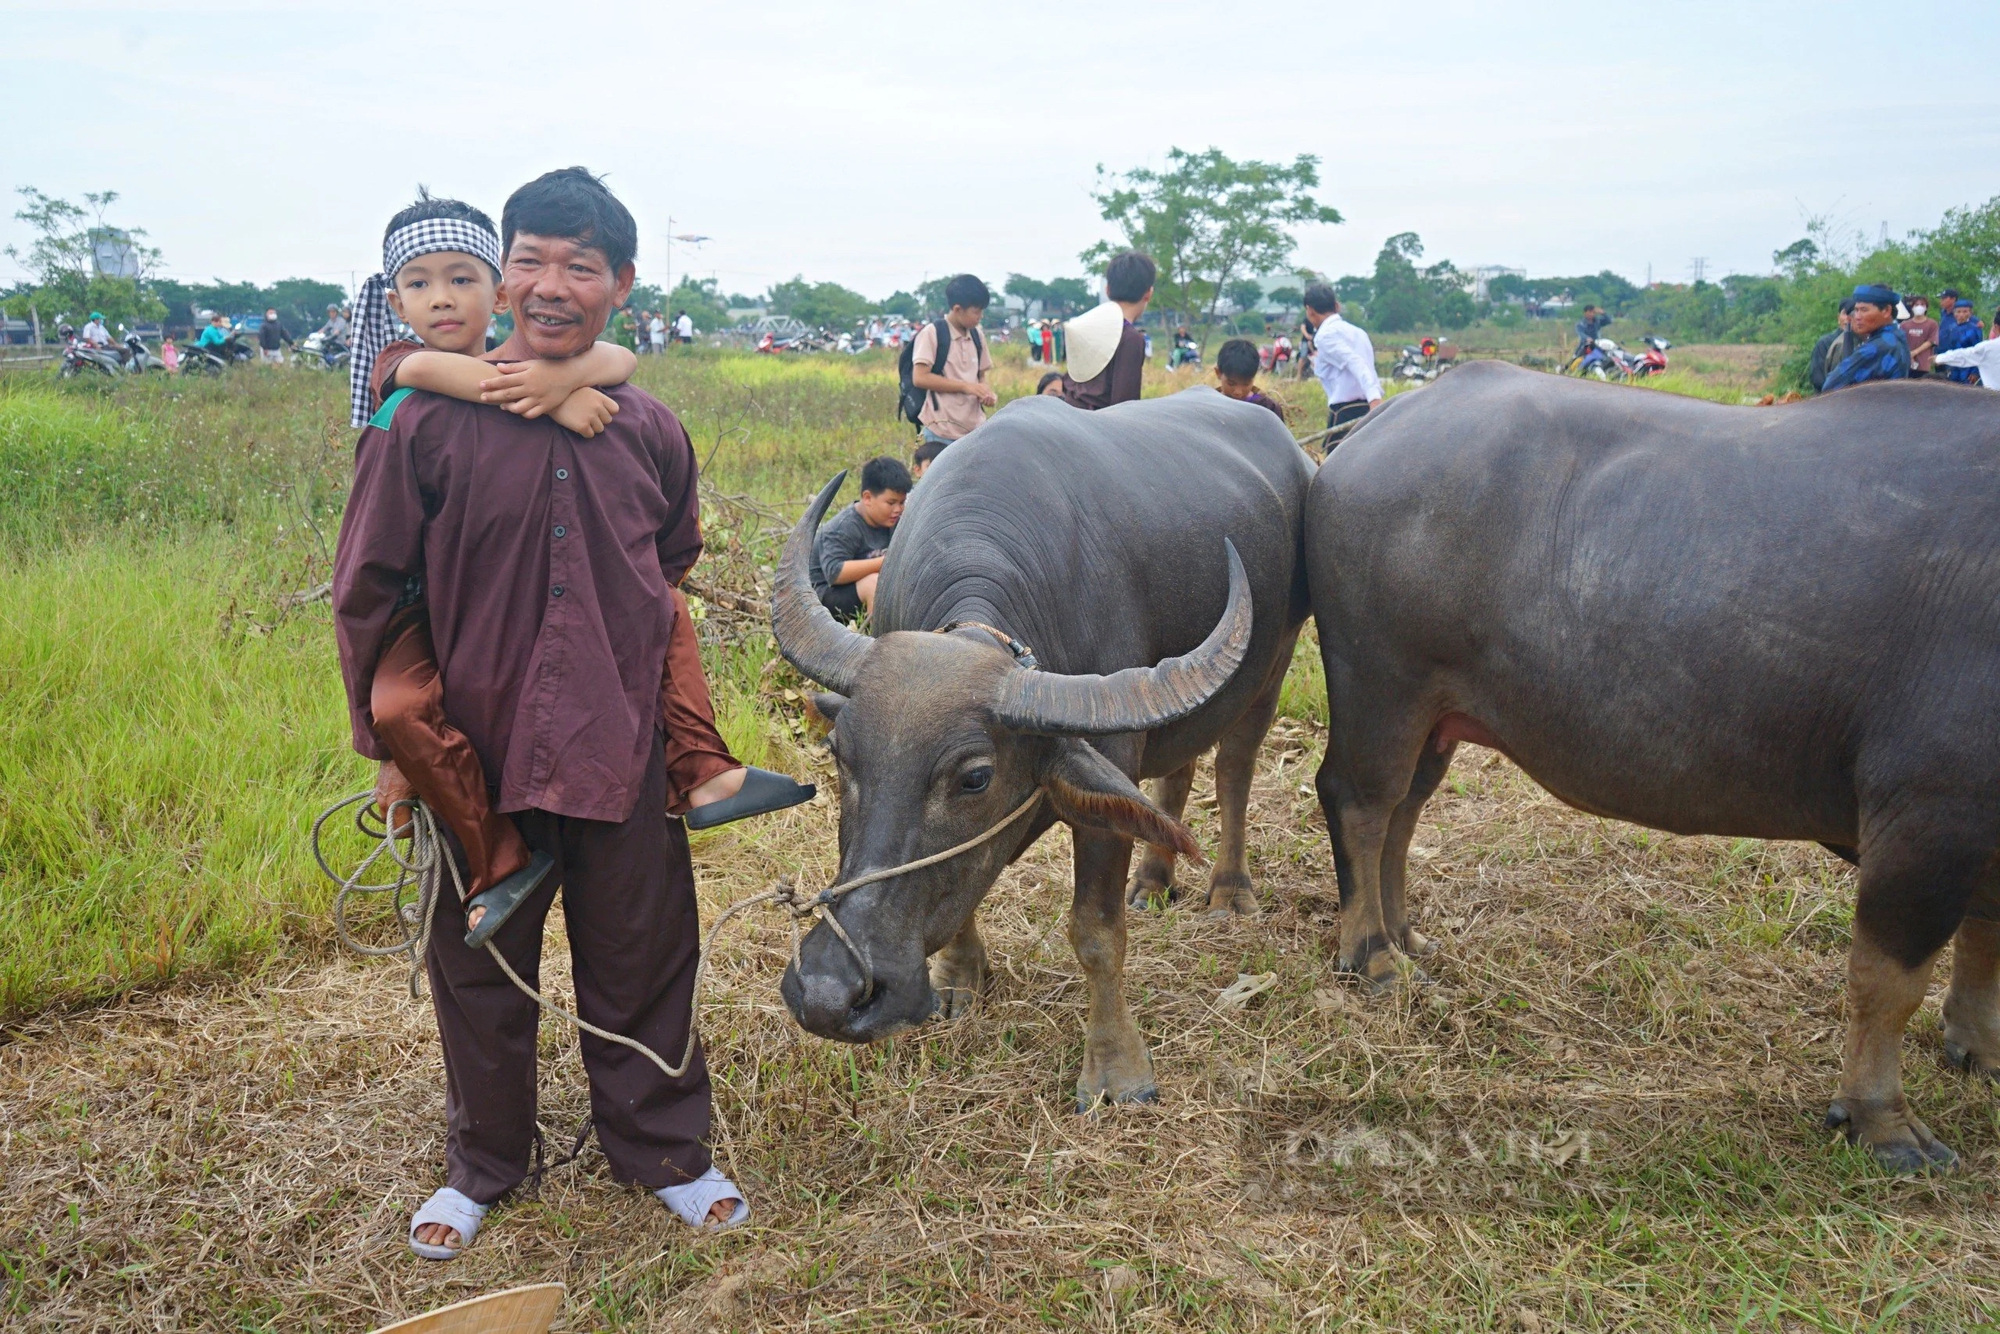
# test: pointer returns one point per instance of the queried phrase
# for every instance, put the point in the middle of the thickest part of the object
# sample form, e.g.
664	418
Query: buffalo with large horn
1073	601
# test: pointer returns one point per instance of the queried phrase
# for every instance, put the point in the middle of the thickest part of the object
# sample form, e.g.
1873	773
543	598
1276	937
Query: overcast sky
878	144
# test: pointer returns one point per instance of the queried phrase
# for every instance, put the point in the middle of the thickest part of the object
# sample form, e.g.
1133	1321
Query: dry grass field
1600	1110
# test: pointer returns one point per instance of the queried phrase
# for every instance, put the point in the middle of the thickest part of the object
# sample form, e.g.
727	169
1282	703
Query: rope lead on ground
421	870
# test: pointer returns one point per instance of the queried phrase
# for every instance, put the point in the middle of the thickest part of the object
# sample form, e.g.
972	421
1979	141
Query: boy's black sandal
501	900
762	793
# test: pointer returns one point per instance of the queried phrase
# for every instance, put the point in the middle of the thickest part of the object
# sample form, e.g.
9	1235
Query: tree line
80	262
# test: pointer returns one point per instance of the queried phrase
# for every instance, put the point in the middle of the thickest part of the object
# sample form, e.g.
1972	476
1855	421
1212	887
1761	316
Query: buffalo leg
1365	777
1431	769
1116	1065
1912	898
1972	1005
1153	883
1229	888
958	971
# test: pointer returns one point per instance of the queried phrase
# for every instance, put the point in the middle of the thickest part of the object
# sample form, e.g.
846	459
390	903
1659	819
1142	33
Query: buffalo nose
826	1002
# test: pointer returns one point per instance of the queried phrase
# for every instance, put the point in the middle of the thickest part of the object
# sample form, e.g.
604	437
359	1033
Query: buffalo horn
811	640
1137	699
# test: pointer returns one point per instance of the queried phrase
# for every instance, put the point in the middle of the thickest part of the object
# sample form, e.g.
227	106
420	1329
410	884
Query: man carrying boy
850	547
442	296
1107	348
1236	367
956	394
546	567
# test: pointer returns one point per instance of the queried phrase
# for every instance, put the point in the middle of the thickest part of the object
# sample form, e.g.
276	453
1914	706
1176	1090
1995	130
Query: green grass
158	759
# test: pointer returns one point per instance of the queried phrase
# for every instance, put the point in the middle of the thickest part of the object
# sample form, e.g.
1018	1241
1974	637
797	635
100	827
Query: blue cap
1875	294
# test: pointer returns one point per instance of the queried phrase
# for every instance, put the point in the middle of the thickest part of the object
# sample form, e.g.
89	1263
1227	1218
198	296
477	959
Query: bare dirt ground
1602	1111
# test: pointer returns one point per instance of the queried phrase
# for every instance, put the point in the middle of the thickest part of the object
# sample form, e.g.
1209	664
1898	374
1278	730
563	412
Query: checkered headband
374	322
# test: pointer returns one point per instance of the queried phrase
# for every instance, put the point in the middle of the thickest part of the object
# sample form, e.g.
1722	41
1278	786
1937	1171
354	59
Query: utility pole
670	255
1700	266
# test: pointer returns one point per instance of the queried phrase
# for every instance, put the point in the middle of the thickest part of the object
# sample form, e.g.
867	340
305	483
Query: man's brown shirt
545	567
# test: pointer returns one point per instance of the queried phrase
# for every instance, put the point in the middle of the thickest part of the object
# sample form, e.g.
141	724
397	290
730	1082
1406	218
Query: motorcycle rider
1587	329
333	334
94	332
215	338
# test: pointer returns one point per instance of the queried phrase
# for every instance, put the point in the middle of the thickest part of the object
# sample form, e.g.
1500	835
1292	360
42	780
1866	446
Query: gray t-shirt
845	537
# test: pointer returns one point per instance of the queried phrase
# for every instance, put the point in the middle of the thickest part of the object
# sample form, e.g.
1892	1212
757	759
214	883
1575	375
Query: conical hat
1093	339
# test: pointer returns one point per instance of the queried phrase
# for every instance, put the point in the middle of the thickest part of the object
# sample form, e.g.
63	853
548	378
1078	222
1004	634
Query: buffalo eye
976	780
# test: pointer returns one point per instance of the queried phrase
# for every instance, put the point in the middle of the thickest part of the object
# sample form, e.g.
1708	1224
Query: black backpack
910	402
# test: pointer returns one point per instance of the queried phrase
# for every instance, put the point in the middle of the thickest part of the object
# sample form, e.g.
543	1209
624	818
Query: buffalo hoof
1375	972
1230	894
1900	1143
1963	1051
1116	1068
1086	1103
1149	895
1418	945
959	976
1961	1057
955	1002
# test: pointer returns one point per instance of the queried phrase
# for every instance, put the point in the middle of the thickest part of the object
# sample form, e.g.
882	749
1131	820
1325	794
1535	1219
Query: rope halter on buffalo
419	876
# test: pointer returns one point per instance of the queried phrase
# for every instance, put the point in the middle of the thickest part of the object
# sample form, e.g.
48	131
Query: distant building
1482	275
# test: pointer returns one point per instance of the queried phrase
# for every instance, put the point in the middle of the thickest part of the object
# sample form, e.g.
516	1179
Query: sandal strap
455	1210
692	1200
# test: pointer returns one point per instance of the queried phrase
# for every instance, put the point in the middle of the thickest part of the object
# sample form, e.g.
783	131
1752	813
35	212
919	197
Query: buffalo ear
1089	791
825	705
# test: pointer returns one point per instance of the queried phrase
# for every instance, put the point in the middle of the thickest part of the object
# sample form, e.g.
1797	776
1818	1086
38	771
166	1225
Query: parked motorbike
1423	361
135	357
80	358
215	358
1601	360
1653	360
319	353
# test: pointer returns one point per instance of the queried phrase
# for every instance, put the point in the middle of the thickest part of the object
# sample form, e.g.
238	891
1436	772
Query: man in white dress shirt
1343	359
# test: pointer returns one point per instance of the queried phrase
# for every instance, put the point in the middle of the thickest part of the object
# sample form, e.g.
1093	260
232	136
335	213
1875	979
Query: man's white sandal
691	1202
457	1211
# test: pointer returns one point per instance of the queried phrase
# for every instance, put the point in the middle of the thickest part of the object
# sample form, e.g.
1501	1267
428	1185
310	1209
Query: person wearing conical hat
1107	349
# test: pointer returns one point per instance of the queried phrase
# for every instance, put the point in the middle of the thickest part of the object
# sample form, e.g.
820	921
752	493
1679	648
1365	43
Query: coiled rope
419	876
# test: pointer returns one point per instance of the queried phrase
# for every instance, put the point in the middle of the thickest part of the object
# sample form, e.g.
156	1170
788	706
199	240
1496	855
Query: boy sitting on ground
1236	367
448	298
849	550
